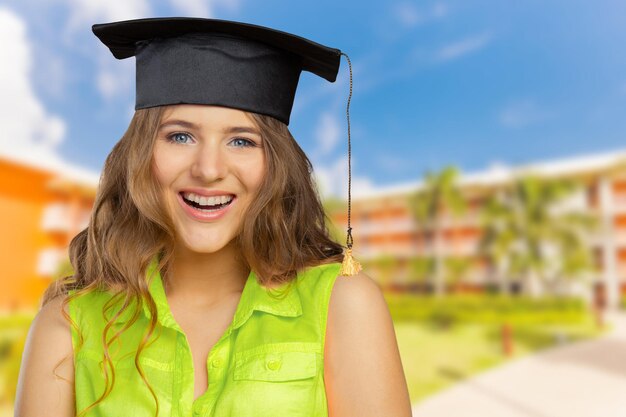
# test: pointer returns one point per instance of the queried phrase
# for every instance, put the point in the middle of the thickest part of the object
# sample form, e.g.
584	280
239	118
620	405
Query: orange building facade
384	224
44	203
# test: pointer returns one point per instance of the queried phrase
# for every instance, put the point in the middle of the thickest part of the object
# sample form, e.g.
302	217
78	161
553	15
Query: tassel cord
349	266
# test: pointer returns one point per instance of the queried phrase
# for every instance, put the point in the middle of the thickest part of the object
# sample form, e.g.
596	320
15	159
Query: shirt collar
283	300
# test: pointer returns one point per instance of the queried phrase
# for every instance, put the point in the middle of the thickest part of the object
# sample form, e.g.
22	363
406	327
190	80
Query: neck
205	278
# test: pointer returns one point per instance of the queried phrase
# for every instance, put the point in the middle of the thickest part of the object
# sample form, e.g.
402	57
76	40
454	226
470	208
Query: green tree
438	197
456	270
498	238
386	265
420	269
527	235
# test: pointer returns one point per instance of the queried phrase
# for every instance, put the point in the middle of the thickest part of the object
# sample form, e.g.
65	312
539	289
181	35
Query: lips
205	193
206	203
199	212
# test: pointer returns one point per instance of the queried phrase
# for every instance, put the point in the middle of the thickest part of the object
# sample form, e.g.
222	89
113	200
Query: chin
205	246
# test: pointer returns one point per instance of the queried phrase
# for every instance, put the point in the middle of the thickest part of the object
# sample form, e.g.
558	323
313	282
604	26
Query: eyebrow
242	129
189	125
180	123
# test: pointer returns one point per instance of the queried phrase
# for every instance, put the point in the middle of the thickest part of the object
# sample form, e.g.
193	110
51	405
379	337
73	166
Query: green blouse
269	362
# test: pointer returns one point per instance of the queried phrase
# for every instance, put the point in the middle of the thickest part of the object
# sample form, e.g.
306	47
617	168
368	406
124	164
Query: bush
492	309
13	333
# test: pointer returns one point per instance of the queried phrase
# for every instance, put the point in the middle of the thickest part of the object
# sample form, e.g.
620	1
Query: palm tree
438	196
420	269
386	264
456	270
526	235
498	238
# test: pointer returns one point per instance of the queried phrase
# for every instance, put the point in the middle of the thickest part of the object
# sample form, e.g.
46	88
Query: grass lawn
436	358
13	330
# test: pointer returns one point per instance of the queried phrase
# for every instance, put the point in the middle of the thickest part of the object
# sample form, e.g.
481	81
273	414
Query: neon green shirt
268	362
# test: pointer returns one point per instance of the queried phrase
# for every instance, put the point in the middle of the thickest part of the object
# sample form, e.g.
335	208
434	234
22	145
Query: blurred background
489	178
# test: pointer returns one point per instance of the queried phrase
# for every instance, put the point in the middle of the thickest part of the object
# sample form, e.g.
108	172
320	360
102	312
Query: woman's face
210	163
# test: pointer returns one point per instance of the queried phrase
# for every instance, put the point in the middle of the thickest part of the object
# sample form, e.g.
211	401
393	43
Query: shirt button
273	364
216	363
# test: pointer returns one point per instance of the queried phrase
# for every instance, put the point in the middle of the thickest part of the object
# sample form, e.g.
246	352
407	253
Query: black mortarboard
219	62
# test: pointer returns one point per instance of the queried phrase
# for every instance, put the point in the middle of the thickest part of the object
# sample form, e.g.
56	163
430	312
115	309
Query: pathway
584	379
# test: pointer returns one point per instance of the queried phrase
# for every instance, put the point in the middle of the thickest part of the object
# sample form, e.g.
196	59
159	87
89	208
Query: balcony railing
49	261
56	218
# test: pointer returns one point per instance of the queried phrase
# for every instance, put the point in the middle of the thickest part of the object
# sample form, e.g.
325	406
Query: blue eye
178	137
242	142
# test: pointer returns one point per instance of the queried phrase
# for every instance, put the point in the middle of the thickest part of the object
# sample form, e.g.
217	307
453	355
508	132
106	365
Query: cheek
256	174
158	173
163	166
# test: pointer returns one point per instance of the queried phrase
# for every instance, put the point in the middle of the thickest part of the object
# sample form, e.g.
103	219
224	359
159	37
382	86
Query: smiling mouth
206	207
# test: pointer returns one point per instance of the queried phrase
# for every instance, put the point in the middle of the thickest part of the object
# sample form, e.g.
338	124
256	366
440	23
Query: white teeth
208	201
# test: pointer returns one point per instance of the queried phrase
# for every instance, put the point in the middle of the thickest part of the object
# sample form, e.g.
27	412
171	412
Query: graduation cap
224	63
210	61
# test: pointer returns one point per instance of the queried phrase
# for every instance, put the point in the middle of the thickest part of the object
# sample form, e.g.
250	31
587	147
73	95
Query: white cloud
439	10
197	8
327	133
463	47
332	180
53	77
112	77
115	78
408	15
25	125
395	163
88	12
522	113
203	8
107	85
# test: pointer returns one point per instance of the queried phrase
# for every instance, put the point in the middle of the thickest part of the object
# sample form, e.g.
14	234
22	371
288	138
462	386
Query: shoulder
362	367
47	368
53	308
354	301
357	290
50	330
51	322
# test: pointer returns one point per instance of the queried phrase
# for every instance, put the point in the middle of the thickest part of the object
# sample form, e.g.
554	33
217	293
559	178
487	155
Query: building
384	225
44	203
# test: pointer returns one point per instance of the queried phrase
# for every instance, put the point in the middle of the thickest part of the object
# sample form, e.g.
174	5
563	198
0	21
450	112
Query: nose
209	164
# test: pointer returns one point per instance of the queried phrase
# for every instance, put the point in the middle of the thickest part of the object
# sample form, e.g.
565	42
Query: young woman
206	283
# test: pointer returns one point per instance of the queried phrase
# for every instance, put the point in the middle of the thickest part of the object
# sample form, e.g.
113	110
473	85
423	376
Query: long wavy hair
283	232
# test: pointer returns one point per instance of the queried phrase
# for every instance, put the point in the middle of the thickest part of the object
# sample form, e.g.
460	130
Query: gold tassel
349	266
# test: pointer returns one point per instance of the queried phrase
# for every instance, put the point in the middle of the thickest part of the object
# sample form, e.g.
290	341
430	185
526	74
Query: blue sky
467	82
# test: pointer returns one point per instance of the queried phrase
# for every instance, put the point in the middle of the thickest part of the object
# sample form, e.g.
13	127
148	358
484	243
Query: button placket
216	366
216	361
183	383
